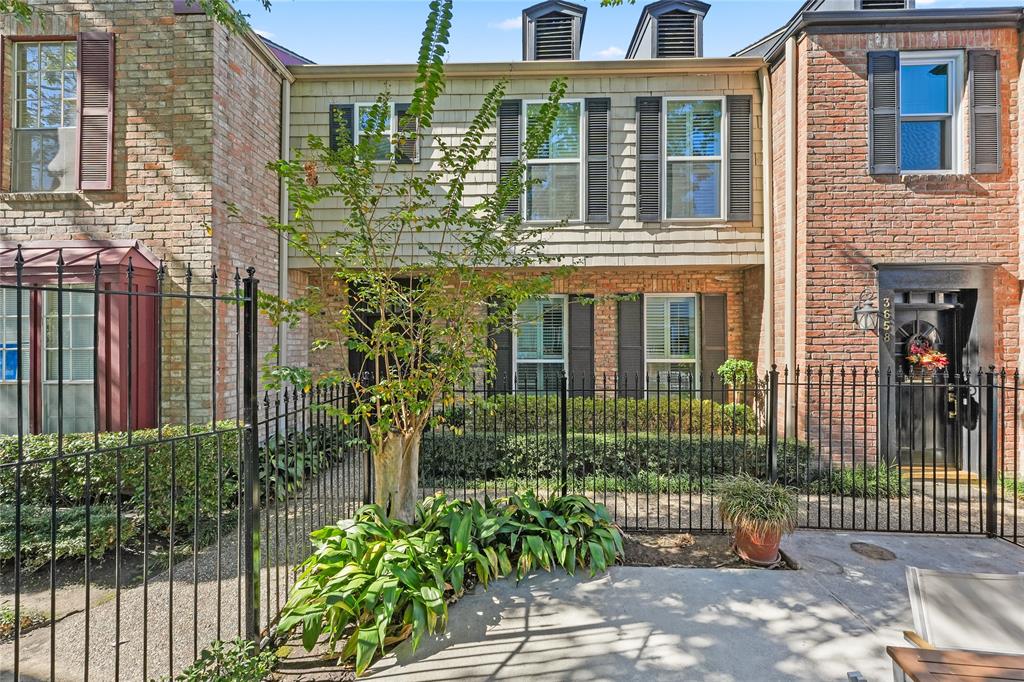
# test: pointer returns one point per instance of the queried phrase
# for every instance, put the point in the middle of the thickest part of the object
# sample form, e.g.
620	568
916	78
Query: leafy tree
415	257
221	10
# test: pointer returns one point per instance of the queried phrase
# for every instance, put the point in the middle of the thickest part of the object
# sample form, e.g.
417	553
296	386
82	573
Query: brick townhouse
128	129
863	156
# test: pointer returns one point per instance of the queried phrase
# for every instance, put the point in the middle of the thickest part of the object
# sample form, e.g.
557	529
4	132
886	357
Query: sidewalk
835	615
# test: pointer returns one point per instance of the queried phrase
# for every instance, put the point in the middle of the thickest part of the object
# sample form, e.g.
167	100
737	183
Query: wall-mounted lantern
865	313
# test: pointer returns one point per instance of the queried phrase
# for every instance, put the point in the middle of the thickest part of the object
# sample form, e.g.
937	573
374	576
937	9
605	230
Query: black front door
928	334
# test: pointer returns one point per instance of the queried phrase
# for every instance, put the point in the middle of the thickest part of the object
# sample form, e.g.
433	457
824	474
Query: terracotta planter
760	549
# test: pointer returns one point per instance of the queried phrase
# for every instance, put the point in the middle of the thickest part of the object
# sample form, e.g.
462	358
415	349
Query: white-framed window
557	167
9	377
45	155
930	88
382	148
68	353
540	342
694	172
671	341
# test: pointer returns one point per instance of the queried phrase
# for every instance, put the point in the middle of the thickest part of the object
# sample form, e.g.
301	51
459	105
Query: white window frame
955	60
26	321
524	115
721	158
696	361
564	298
46	350
68	315
16	125
392	128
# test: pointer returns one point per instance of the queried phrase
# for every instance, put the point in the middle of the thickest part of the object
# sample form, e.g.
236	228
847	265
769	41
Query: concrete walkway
835	615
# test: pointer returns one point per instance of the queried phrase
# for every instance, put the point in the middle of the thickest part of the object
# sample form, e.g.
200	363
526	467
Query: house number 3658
887	319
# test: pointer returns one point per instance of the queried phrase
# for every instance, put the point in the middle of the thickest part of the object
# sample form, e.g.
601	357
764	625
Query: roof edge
535	68
891	21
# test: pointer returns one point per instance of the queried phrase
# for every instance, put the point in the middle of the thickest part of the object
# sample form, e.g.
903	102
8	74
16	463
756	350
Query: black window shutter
501	338
342	127
631	347
648	150
739	109
986	142
509	145
714	332
407	150
581	345
884	112
598	166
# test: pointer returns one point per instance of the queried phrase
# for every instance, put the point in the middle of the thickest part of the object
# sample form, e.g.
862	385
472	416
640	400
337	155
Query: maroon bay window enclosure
87	339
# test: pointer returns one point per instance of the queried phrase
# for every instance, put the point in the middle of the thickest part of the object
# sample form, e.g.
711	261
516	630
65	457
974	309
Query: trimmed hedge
518	413
117	466
70	539
477	456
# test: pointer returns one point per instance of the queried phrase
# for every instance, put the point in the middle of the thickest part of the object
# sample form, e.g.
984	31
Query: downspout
768	217
789	335
791	223
282	244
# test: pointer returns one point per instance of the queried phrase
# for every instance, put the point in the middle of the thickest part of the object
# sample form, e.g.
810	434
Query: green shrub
70	540
640	482
883	482
477	456
668	415
236	661
119	467
374	581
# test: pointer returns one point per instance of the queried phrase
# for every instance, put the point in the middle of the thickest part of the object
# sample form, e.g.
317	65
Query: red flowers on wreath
924	356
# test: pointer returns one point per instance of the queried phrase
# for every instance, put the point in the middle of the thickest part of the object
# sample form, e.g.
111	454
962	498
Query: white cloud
513	24
262	33
925	2
610	52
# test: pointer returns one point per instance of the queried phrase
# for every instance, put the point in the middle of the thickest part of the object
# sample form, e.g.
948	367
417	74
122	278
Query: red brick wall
196	119
848	220
246	111
612	281
852	220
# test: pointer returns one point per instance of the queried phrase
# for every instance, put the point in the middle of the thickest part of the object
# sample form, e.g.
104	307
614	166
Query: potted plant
760	513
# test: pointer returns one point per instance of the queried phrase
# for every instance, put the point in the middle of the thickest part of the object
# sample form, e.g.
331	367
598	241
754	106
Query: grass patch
1012	487
883	482
29	621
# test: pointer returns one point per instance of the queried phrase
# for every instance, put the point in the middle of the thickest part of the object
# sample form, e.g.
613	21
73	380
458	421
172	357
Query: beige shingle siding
622	242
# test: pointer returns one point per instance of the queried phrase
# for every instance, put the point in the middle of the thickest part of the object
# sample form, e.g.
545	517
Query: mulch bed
681	550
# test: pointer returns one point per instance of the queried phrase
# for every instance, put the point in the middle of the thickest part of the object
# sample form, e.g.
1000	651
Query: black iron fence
925	452
152	498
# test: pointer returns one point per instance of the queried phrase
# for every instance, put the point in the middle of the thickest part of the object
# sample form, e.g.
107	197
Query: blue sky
387	31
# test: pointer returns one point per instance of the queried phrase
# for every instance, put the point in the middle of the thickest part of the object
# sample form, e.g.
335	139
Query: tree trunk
396	475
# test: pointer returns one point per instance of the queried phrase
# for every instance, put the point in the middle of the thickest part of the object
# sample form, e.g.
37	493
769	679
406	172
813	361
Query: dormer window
553	30
886	4
669	29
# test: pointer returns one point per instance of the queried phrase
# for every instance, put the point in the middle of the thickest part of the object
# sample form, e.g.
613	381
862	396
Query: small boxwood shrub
883	482
478	456
517	413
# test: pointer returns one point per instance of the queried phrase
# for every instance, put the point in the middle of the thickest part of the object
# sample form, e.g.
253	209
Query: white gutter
282	245
791	202
768	218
